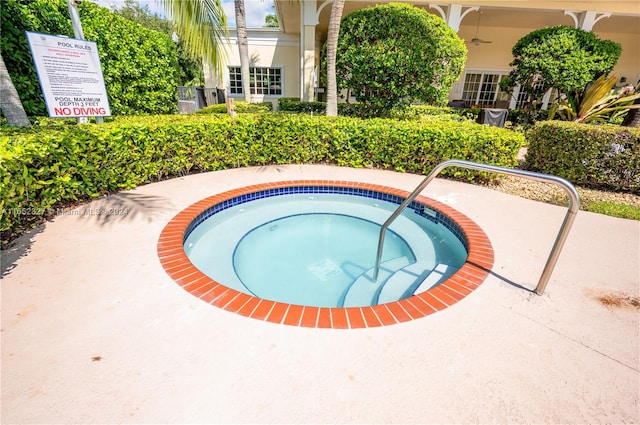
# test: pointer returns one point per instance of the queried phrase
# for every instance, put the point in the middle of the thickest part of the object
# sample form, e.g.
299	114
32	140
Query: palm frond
202	24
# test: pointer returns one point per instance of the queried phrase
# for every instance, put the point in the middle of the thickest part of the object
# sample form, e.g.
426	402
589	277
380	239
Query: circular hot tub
303	253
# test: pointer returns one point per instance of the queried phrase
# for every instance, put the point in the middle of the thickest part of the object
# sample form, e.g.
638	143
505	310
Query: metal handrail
574	205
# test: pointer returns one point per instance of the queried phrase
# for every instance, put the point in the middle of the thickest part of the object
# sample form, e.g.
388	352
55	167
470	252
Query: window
262	81
235	80
523	98
481	89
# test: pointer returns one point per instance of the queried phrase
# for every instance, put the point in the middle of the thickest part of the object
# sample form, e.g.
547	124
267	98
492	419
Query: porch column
453	14
587	19
308	22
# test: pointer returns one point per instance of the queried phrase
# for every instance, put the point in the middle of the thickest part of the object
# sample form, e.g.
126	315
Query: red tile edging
177	265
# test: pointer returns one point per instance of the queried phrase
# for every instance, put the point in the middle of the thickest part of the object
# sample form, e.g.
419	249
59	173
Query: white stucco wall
267	48
272	48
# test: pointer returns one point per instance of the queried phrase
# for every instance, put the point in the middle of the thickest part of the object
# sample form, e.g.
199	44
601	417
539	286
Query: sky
256	10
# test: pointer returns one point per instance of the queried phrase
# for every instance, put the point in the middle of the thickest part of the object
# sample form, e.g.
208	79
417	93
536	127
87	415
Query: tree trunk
332	48
243	47
633	116
10	102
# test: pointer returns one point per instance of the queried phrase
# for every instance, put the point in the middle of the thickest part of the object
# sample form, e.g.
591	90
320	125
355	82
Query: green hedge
43	167
16	17
515	116
241	108
602	156
293	104
140	66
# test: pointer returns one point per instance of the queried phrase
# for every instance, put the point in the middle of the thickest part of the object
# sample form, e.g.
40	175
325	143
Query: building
285	61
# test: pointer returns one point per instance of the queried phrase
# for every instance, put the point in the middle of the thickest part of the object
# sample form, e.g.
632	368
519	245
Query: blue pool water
319	249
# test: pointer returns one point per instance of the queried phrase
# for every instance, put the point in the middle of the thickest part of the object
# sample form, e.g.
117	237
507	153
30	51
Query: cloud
256	10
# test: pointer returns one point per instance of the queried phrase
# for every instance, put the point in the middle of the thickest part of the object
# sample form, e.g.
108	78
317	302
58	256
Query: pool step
363	291
412	279
439	273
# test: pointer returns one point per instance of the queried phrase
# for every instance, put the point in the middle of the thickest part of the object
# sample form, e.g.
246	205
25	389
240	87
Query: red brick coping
472	273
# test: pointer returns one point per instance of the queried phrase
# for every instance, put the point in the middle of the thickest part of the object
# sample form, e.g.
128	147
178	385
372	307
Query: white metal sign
70	76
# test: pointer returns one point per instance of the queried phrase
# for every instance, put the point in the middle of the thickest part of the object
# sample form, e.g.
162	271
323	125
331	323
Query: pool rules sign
70	76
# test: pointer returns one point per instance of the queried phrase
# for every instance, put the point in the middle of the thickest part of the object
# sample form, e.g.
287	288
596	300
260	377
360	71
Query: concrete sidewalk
95	331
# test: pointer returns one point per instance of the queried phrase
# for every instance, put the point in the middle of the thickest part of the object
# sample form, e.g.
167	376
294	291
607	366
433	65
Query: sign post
72	5
70	76
75	18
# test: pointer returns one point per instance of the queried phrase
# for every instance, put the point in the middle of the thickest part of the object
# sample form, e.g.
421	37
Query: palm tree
243	47
10	102
202	25
332	48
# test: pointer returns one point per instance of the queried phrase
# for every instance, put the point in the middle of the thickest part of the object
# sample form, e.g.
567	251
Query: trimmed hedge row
293	104
515	116
45	167
241	108
602	156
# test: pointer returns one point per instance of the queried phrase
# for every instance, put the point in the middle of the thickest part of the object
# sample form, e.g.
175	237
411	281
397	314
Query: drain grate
324	269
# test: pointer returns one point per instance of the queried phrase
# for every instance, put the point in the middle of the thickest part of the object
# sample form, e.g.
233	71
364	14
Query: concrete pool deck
95	331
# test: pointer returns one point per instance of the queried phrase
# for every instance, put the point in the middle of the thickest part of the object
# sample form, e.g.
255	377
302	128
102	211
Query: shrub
43	167
600	102
16	17
293	104
241	108
189	68
462	114
139	65
601	156
391	55
527	117
560	57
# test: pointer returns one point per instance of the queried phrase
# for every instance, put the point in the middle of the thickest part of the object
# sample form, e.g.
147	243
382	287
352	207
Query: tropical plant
202	24
391	55
599	102
189	68
560	57
332	47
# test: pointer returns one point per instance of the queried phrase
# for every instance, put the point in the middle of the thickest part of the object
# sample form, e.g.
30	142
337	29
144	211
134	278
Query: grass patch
614	204
613	209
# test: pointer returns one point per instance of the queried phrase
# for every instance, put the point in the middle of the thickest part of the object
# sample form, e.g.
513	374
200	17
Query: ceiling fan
475	40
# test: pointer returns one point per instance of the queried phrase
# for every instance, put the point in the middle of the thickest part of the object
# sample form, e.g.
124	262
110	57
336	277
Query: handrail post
574	206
